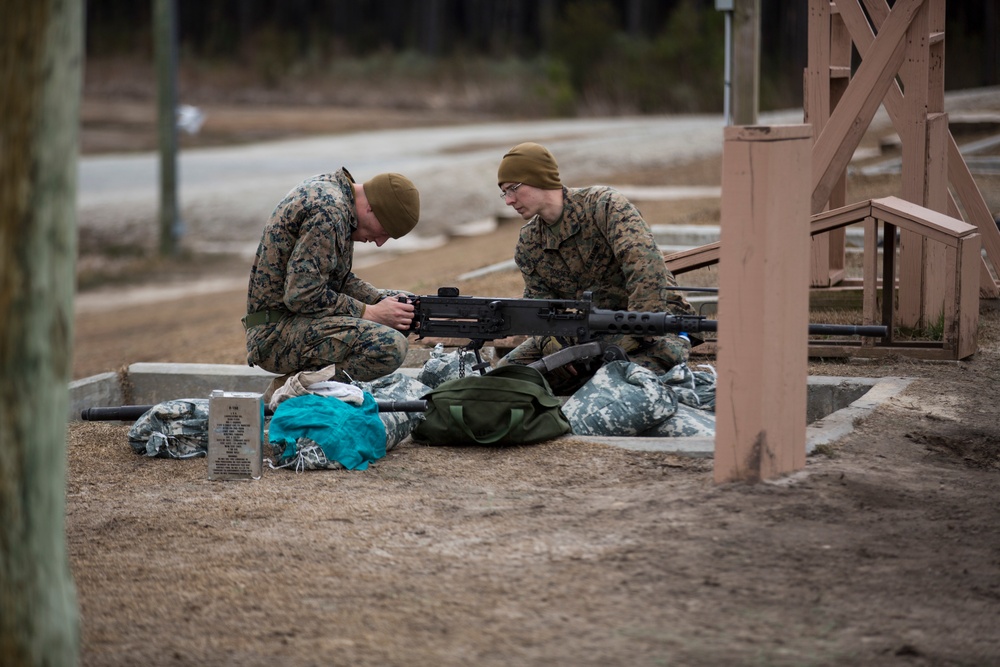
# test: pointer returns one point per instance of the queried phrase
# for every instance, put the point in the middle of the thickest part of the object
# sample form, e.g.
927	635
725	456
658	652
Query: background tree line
556	56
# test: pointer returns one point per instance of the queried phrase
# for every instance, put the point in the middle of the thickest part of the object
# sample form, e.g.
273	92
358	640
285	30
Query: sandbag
444	366
694	387
176	429
688	422
622	399
396	387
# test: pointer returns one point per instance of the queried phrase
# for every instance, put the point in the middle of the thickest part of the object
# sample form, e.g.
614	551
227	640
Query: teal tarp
350	435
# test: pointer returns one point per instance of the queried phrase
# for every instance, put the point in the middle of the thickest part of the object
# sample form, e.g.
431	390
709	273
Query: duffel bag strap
516	417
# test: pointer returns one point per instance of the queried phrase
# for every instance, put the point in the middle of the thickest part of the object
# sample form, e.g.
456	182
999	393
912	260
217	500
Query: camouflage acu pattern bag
444	366
510	405
695	388
175	429
687	423
396	387
622	399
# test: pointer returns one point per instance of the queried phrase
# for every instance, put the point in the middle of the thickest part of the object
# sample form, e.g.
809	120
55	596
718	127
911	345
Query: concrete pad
154	383
834	406
101	390
694	447
151	383
838	424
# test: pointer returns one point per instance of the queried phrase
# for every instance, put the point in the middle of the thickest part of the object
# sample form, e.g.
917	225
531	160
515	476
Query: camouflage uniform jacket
305	256
601	244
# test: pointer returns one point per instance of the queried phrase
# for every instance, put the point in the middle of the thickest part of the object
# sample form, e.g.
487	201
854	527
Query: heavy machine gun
481	319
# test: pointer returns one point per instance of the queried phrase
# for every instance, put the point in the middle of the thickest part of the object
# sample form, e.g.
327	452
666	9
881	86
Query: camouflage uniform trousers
361	350
658	354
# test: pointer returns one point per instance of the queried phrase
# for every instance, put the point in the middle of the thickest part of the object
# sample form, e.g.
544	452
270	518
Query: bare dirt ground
885	550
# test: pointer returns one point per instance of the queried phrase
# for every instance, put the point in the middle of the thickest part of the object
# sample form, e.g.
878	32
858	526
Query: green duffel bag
509	405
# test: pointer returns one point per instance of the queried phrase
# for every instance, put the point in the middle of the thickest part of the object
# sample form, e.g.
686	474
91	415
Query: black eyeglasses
510	192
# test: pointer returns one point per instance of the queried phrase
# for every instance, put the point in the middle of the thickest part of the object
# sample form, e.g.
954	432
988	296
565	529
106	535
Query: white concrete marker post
763	302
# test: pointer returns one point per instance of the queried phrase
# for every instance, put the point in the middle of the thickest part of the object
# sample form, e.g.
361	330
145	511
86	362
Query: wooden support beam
838	217
746	61
914	274
852	117
932	224
936	199
818	103
968	255
959	175
695	258
763	304
817	89
869	308
976	210
988	288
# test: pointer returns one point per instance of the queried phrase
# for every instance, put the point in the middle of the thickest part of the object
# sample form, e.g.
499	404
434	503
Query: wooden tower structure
930	269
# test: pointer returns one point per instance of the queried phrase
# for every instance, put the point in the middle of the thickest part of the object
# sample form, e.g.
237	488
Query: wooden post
746	61
826	79
936	199
41	51
763	302
166	77
913	249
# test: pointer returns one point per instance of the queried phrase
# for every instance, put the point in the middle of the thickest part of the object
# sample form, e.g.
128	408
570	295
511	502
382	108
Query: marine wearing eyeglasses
586	239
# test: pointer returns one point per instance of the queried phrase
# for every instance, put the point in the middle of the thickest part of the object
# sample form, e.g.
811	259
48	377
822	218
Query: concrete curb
840	423
150	383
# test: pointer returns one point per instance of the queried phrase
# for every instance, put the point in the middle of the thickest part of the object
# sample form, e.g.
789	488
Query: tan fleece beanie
530	163
395	201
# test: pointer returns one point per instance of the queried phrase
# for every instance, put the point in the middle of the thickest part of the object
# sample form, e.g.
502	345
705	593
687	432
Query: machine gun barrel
868	330
657	324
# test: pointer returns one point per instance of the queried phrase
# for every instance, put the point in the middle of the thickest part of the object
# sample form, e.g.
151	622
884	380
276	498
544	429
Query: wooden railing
962	260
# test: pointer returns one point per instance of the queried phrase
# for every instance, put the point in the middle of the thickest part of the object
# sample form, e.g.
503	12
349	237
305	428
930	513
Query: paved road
226	194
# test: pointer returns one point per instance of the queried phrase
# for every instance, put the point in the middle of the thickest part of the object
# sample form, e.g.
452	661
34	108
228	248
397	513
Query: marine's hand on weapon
552	344
391	311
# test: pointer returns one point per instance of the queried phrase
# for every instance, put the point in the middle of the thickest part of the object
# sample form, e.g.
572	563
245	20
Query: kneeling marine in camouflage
587	239
306	309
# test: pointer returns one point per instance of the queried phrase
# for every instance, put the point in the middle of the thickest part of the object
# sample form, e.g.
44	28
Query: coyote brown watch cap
395	201
532	164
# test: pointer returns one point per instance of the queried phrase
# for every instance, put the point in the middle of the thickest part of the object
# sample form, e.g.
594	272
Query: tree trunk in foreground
40	78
